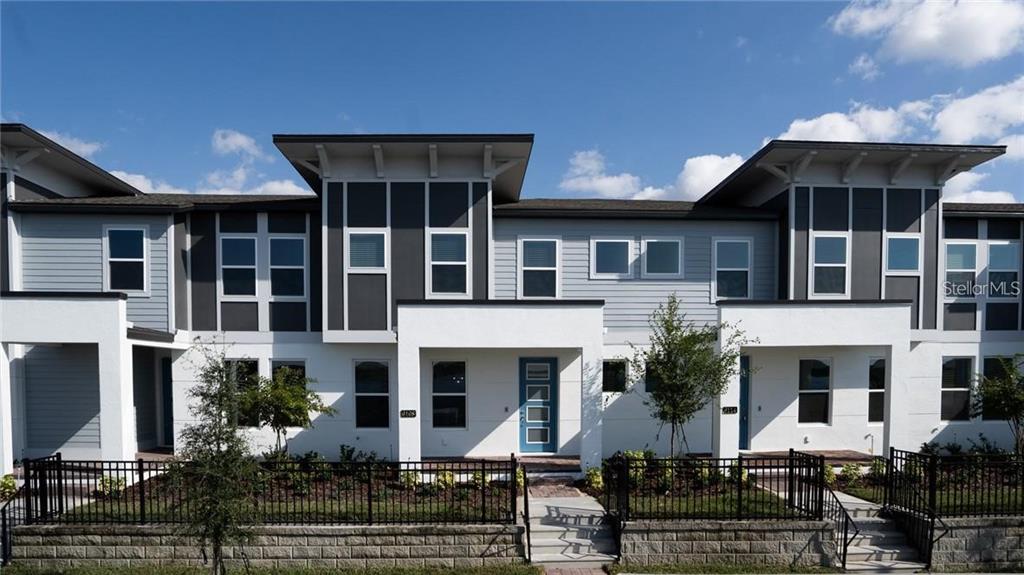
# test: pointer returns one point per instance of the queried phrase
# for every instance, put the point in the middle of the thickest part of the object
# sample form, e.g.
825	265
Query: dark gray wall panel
239	316
62	397
800	243
367	205
866	272
238	222
144	388
367	301
335	271
831	209
26	190
480	235
904	287
287	222
5	269
999	229
959	316
315	272
1001	316
449	205
780	205
961	228
930	265
204	271
407	215
903	212
180	269
287	316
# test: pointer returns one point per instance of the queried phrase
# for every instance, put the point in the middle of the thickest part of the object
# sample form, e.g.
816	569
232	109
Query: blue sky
626	100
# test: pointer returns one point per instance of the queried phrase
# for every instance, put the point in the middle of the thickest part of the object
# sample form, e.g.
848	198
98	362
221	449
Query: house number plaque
407	413
730	410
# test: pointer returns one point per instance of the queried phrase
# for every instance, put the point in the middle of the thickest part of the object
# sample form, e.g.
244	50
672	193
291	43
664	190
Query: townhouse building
442	315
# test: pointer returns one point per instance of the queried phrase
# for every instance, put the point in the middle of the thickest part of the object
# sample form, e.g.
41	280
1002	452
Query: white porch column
895	431
117	394
6	416
408	395
592	408
726	427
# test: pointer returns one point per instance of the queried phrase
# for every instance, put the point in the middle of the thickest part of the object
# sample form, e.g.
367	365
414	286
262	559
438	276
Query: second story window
830	256
903	254
961	269
126	260
287	267
732	268
449	266
538	265
662	258
238	266
611	258
1003	269
366	251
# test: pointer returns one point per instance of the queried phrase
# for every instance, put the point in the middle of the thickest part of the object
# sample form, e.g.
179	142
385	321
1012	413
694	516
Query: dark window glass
612	257
238	252
448	279
876	374
539	283
813	408
286	281
449	377
994	368
829	280
538	254
814	375
956	394
732	255
955	405
366	250
876	393
286	252
731	284
239	281
960	284
372	411
903	254
651	380
448	248
662	257
1001	284
125	244
297	367
127	276
246	374
876	406
449	411
829	250
956	372
614	376
371	377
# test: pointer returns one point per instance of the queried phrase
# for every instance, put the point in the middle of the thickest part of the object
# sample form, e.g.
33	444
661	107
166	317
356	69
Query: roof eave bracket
949	169
897	168
325	163
850	166
775	171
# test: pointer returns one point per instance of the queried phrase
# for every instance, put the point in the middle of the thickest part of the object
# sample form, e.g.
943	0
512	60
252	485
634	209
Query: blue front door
538	405
744	402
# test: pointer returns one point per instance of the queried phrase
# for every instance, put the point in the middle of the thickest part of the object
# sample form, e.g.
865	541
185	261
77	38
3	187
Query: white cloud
146	185
587	174
77	145
227	142
272	187
964	33
862	123
701	173
963	188
985	115
742	41
865	67
1014	147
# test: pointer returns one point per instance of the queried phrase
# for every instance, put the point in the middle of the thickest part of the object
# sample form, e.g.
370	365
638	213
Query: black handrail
901	483
842	522
526	512
11	515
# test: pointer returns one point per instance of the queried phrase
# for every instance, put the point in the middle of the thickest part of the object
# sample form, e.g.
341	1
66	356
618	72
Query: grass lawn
170	570
953	502
720	568
721	505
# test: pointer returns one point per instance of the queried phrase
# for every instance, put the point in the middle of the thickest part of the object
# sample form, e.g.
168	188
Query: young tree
284	401
685	367
214	467
1002	396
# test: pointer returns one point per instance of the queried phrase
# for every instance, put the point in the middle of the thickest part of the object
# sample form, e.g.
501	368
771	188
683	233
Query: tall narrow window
287	267
961	270
126	260
829	265
903	254
994	368
372	401
662	258
293	373
956	389
238	266
613	375
539	268
449	394
366	251
246	374
651	380
611	258
815	389
876	391
1003	270
448	264
732	269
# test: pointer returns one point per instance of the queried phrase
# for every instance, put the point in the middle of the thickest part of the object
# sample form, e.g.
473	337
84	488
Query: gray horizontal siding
629	302
65	253
62	397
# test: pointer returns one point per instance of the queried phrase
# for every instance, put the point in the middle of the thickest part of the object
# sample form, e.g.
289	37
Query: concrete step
604	545
569	520
884	567
581	531
880	553
870	535
863	512
573	560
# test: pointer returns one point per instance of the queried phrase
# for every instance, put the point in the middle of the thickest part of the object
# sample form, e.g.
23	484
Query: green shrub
444	480
851	474
666	478
830	475
8	487
479	480
520	478
877	471
706	474
409	479
300	484
110	487
595	480
636	461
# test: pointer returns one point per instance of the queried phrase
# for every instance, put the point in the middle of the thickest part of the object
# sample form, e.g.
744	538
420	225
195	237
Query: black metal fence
770	488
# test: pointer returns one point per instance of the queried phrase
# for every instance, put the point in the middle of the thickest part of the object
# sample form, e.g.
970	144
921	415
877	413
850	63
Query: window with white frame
367	251
373	405
126	259
246	375
238	266
538	265
611	258
732	268
903	254
1003	269
815	391
287	267
829	275
961	269
662	258
957	373
291	373
876	391
449	266
995	368
449	394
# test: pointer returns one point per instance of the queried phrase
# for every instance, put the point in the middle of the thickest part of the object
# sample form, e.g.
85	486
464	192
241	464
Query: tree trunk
216	564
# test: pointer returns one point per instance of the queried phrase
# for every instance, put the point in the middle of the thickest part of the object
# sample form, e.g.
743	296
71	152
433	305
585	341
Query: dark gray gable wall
315	272
335	258
865	282
368	302
800	239
179	268
930	263
480	235
5	270
204	271
407	215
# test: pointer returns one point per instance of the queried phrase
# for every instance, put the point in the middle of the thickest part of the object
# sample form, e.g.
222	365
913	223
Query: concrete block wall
787	543
285	546
982	544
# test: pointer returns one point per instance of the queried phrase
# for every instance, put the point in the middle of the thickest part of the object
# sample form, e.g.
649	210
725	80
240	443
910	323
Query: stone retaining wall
980	543
789	543
285	546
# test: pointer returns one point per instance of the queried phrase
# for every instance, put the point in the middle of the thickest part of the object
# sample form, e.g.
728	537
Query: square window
960	257
126	244
371	377
238	251
449	377
903	255
611	258
372	411
239	281
448	279
287	252
813	408
830	280
448	248
366	250
814	375
449	411
662	257
730	254
128	276
539	283
732	284
1003	257
287	282
829	250
613	375
539	254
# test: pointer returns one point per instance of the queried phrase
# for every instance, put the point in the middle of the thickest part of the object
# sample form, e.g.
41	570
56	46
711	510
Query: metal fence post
483	492
790	480
60	484
932	471
27	464
821	487
514	481
623	489
369	493
142	491
739	487
42	472
5	551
